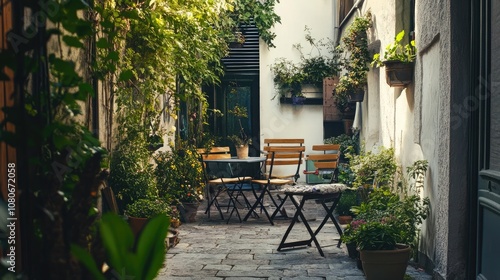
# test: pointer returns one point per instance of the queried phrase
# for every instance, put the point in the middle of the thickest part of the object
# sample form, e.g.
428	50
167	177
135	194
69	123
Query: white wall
286	120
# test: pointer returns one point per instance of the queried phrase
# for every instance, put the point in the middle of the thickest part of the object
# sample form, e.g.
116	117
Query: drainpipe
355	7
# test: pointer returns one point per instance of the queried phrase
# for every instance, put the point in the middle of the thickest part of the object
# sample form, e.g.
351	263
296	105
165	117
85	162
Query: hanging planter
398	74
357	95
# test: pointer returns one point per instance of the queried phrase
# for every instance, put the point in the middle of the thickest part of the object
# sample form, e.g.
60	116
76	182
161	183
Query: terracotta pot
242	151
345	220
385	264
398	74
137	224
187	211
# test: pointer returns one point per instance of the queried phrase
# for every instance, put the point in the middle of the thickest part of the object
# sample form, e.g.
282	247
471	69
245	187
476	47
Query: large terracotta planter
385	264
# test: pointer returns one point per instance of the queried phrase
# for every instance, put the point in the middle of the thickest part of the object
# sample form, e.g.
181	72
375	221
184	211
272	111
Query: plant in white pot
398	61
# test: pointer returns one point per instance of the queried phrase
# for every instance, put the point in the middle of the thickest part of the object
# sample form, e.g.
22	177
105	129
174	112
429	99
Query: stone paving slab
211	249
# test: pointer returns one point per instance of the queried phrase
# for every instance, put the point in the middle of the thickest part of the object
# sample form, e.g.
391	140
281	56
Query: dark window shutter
244	60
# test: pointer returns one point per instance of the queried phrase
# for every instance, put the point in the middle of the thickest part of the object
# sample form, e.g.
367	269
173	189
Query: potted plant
180	180
398	61
348	199
351	85
312	69
141	210
237	39
240	140
385	229
287	77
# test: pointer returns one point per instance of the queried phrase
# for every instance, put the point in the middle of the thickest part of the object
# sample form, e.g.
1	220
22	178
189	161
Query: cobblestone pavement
211	249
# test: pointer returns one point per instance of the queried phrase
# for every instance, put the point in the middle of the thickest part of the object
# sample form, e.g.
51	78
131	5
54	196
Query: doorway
241	91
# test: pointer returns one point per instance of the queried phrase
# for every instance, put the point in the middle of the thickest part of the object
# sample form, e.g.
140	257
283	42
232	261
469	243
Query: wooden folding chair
284	142
218	179
276	156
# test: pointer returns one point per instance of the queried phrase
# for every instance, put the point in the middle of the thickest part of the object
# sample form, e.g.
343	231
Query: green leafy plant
386	219
131	175
396	51
259	12
126	257
313	67
373	169
179	175
355	43
241	139
348	199
391	215
147	208
348	144
288	77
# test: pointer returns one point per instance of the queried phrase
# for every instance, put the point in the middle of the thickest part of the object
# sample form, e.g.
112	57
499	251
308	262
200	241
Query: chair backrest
282	142
212	169
327	148
328	161
280	156
215	153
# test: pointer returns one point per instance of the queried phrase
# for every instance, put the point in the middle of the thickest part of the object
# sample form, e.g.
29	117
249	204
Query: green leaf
113	55
400	36
87	260
126	75
84	90
103	43
151	246
72	41
117	238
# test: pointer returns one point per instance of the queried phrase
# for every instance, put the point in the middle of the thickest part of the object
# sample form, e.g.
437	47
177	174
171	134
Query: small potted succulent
398	61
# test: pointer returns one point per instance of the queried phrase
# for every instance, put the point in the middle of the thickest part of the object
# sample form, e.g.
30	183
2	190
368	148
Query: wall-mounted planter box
307	101
398	74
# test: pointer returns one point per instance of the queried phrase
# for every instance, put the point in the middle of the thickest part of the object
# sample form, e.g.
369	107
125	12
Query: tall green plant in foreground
127	257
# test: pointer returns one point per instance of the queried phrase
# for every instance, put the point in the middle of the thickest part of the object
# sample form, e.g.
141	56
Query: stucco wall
415	121
285	120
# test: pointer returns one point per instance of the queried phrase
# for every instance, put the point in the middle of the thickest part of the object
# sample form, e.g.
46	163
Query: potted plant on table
240	140
398	61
